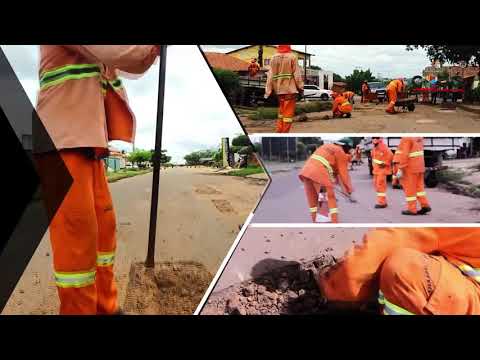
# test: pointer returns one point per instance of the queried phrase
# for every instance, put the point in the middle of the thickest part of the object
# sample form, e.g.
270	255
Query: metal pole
150	261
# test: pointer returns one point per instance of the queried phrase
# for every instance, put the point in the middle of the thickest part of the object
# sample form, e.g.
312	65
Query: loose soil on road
190	228
168	289
371	118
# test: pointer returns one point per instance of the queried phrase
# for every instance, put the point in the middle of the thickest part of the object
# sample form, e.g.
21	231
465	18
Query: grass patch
125	173
271	113
249	170
451	176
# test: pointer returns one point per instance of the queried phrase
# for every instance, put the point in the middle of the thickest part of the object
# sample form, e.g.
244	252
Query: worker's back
284	76
396	85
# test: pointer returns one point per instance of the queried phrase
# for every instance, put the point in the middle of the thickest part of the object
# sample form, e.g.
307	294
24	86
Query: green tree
355	80
338	78
164	158
194	157
453	54
241	140
140	157
228	80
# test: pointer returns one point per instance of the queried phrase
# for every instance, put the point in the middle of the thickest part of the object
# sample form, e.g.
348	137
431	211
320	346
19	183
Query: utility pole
260	55
150	261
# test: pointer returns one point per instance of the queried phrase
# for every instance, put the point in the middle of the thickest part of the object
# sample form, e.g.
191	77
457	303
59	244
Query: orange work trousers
414	188
342	110
380	184
82	235
286	112
395	180
392	99
414	283
312	191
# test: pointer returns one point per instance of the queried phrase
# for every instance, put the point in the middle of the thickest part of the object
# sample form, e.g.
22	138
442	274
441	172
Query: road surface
285	202
263	249
371	118
198	219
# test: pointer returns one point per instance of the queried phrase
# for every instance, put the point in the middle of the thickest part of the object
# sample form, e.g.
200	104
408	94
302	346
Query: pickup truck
435	149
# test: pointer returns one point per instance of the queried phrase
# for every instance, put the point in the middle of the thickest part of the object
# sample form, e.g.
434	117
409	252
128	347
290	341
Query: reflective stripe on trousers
68	72
411	198
105	258
75	279
313	209
381	194
390	308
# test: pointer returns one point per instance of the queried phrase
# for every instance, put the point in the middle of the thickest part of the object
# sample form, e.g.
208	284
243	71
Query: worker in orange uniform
393	89
411	171
341	106
365	92
253	68
382	167
395	180
358	154
409	271
349	95
83	105
327	166
285	79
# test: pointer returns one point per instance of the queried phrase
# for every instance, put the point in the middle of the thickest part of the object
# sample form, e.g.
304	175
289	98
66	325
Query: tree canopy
452	54
355	80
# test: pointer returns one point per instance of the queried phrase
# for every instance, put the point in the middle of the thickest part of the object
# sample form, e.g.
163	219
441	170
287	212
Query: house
227	62
431	72
116	160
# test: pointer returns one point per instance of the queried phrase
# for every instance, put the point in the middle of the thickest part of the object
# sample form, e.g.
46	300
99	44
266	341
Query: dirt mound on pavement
290	289
171	288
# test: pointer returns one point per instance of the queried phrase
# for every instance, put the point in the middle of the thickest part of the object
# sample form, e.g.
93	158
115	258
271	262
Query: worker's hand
265	96
399	174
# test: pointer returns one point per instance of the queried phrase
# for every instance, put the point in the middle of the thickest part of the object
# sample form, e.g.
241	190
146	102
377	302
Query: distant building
431	72
116	160
227	62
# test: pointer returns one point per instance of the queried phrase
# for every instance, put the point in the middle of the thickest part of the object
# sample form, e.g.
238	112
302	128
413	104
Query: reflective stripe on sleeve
470	271
68	72
390	308
378	162
415	154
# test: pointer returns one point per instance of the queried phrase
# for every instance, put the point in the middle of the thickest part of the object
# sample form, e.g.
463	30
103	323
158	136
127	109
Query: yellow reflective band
333	211
282	76
415	154
470	271
398	152
411	198
325	163
68	72
394	176
74	279
381	194
422	193
105	258
287	119
313	209
378	162
280	116
390	308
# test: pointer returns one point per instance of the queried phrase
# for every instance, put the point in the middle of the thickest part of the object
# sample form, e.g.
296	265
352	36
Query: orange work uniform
393	88
382	167
358	153
285	79
253	68
410	271
83	105
349	95
320	173
341	106
409	158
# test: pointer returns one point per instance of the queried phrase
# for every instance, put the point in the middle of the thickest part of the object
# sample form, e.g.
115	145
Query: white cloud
196	114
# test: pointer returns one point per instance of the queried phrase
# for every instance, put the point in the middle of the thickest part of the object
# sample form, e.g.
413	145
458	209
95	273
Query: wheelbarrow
406	104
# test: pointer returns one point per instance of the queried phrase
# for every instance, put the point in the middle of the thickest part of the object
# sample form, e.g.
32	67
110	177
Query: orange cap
284	48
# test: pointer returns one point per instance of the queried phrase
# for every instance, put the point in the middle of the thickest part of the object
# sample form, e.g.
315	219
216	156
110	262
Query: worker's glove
399	174
265	96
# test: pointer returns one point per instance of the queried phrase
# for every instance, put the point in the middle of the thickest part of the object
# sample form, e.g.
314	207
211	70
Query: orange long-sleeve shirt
355	278
395	84
382	159
409	155
339	100
284	76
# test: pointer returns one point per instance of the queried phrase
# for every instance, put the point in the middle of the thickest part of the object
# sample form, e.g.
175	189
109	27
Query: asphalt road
371	118
285	202
198	219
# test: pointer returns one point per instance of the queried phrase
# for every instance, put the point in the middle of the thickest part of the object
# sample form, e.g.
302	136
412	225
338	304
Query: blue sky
388	60
196	113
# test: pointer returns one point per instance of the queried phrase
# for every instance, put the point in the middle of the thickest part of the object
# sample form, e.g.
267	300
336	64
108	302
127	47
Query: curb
469	109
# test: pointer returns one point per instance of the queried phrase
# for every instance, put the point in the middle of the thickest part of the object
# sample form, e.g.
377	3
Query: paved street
285	202
199	217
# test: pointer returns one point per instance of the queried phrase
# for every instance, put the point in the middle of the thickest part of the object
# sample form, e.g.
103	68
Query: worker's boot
397	186
408	212
348	115
424	210
380	206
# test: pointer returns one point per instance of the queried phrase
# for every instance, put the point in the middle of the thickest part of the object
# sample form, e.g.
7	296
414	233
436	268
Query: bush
228	80
270	113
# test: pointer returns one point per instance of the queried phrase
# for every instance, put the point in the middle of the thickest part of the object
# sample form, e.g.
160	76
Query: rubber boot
424	210
408	212
380	206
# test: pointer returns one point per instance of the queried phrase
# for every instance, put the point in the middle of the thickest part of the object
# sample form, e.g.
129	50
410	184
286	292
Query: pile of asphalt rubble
290	289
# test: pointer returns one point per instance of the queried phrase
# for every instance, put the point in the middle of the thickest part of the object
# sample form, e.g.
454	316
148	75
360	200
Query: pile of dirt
170	288
290	289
